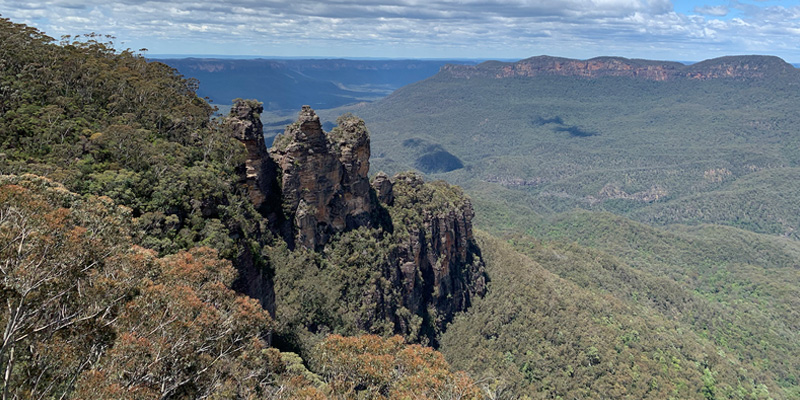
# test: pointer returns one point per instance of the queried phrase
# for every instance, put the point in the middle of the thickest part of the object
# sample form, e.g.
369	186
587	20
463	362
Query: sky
676	30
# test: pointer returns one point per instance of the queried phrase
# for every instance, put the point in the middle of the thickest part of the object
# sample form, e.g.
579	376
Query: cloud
422	28
716	11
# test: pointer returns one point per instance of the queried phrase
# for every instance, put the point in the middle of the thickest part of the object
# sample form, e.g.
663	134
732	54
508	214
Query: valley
563	167
285	84
660	199
684	150
541	229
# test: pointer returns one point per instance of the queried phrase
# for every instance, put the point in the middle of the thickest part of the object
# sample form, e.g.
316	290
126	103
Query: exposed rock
244	123
383	188
744	67
741	67
317	183
258	176
440	263
545	65
323	177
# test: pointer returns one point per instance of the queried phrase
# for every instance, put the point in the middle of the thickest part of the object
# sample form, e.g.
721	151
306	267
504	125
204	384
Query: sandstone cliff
257	175
313	187
741	67
244	124
323	177
439	261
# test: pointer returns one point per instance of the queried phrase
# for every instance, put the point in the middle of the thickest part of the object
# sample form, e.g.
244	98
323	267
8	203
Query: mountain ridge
742	67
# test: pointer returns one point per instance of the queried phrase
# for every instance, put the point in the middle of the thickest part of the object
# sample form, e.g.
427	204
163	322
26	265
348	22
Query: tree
61	282
369	366
188	335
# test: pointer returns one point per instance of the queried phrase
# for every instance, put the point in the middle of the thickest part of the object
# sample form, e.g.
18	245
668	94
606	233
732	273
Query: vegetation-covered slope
569	321
89	311
111	124
691	151
118	270
682	150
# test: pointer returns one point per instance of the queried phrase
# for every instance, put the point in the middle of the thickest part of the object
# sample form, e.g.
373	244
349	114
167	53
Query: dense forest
692	297
124	226
150	249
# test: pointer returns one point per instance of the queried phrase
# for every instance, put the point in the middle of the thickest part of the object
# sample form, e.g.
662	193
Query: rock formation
258	176
383	187
323	177
317	183
743	67
440	263
244	124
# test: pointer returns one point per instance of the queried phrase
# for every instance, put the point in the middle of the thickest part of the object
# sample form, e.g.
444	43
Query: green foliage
358	283
91	315
565	322
345	290
705	310
107	122
370	367
415	199
732	286
686	151
61	283
580	304
186	334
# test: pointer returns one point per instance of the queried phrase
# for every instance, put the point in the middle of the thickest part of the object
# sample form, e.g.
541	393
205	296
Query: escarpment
244	124
257	174
423	263
738	67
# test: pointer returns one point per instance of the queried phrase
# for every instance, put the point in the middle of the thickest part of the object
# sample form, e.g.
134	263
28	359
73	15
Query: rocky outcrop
323	177
439	261
743	67
555	66
383	187
244	124
257	175
317	182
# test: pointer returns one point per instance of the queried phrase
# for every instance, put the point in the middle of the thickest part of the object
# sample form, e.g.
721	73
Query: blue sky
507	29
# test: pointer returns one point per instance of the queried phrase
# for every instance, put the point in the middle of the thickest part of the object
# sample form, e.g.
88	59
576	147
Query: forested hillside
136	265
698	147
705	160
149	250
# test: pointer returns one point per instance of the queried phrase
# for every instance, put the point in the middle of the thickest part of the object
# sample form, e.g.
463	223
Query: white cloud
445	28
717	11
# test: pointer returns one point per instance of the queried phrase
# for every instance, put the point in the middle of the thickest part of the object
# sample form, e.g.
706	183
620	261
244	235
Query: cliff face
323	177
439	262
244	124
743	67
257	176
317	183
